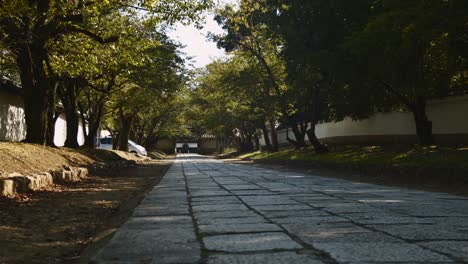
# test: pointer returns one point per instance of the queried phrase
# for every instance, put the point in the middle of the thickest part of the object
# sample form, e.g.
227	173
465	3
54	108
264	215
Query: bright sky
196	43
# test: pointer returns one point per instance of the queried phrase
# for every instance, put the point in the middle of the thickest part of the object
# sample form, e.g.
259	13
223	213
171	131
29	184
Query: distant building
206	144
187	147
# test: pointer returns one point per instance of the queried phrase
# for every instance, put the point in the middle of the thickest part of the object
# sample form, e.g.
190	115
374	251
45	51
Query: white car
106	143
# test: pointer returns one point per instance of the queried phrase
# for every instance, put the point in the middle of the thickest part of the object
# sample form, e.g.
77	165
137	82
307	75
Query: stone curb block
7	187
17	183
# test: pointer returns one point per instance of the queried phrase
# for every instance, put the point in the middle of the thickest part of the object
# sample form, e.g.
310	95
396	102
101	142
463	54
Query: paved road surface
207	211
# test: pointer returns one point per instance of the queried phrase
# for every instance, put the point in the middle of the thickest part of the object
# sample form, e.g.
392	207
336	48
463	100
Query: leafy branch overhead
86	52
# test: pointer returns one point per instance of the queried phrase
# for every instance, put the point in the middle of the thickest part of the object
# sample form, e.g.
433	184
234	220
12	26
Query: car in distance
106	143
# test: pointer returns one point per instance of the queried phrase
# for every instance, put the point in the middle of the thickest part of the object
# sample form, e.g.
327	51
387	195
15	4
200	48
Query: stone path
207	211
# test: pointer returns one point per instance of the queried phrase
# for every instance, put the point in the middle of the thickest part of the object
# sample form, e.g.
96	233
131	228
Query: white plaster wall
379	124
60	131
12	123
448	116
81	138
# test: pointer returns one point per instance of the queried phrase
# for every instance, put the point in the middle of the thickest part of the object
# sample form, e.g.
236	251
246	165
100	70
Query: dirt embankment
32	159
68	222
56	226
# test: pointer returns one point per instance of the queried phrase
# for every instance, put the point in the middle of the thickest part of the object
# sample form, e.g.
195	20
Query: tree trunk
37	91
257	141
249	146
93	120
246	144
90	138
274	136
126	121
123	136
266	137
51	119
318	146
299	142
423	125
151	141
73	125
68	95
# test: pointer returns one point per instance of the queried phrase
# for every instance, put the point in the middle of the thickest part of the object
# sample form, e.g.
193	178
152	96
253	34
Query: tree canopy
321	60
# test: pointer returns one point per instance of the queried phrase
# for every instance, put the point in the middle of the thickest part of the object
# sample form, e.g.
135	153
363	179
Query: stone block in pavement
209	193
224	214
252	192
267	200
219	207
333	237
160	210
159	222
264	258
424	232
237	228
243	187
380	252
369	219
309	220
287	207
457	249
215	200
231	221
290	213
250	242
172	245
325	229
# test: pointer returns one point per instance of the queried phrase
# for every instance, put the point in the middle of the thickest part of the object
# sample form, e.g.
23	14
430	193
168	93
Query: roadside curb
16	183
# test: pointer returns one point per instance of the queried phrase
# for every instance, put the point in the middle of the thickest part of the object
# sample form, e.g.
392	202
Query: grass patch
387	155
229	150
158	155
101	155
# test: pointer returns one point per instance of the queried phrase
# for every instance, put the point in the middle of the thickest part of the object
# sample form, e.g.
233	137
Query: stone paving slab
207	211
423	232
231	221
380	252
219	207
455	248
224	214
237	228
270	258
162	245
250	242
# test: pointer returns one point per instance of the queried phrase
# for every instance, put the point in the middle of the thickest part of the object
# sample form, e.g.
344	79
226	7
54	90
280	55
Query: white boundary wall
13	124
61	132
448	116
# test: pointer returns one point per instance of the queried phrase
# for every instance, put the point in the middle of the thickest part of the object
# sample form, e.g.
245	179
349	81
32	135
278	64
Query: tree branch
398	95
92	35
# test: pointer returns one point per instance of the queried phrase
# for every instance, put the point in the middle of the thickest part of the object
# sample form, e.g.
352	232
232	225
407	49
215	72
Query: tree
152	75
412	51
27	29
230	102
312	32
248	33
